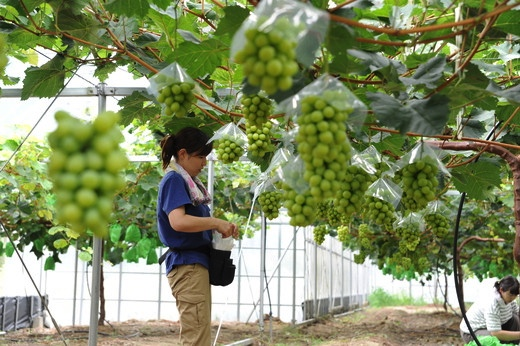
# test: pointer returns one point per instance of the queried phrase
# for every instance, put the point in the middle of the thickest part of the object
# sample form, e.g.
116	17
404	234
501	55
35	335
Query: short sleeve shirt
173	193
489	314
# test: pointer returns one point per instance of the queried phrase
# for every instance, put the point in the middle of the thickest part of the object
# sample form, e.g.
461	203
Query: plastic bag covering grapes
374	158
230	131
422	151
168	76
360	160
385	190
230	143
297	21
291	175
412	219
437	207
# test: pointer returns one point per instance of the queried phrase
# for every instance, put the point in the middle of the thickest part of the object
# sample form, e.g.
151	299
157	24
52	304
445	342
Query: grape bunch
301	207
351	194
268	57
409	234
319	232
379	211
256	110
85	166
344	235
322	143
438	224
176	98
228	149
327	211
270	203
418	181
3	57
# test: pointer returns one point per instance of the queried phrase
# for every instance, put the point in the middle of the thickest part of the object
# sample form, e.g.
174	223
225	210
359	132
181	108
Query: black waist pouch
221	267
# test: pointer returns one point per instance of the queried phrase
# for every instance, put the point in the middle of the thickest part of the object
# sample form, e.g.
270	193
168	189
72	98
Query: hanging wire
455	253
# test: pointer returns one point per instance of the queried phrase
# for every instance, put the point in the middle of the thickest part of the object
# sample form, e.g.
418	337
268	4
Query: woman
496	315
185	226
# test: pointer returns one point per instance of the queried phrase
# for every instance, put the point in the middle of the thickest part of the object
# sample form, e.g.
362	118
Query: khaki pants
192	291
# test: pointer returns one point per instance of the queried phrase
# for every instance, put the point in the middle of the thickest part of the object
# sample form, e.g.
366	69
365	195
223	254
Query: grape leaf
201	59
427	73
233	18
427	117
45	81
478	179
50	264
129	8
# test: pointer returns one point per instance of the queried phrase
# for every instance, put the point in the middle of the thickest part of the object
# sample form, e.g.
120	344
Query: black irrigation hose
455	273
455	254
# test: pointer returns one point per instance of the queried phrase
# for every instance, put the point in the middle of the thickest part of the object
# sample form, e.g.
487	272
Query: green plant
380	298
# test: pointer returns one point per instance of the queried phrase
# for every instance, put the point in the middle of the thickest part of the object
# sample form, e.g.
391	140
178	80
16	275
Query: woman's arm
182	222
506	335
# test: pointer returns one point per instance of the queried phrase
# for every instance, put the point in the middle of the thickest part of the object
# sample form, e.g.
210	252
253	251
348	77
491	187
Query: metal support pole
96	257
262	269
293	320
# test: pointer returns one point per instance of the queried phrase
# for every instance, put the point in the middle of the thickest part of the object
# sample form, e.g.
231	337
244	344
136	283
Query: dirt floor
393	326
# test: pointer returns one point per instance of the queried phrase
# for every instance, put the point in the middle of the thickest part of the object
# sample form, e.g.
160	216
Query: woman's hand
227	229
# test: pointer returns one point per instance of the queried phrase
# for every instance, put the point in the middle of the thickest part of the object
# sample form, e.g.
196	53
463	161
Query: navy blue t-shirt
173	193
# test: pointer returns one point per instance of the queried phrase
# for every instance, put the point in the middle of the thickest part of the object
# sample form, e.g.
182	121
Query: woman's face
193	164
507	296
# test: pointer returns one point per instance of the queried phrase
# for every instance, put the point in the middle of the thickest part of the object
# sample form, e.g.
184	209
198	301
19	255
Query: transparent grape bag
385	190
299	22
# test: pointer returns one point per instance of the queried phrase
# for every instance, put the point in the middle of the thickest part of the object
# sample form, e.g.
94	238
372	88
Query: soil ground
390	326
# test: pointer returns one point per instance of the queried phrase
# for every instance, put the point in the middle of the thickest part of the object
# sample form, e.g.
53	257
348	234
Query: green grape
319	232
228	150
86	175
268	57
327	212
419	182
379	211
438	224
344	235
409	235
177	98
256	110
301	207
351	194
270	203
322	143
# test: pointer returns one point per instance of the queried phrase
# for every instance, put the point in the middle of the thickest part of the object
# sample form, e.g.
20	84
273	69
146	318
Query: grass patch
380	298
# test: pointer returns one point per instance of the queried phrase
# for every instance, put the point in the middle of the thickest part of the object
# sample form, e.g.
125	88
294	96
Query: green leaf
46	81
9	249
428	73
133	234
143	247
232	20
129	8
131	255
200	60
60	243
50	264
115	232
152	257
478	179
508	22
85	256
427	117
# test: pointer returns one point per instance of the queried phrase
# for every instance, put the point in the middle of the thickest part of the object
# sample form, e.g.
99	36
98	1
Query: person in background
496	315
185	227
